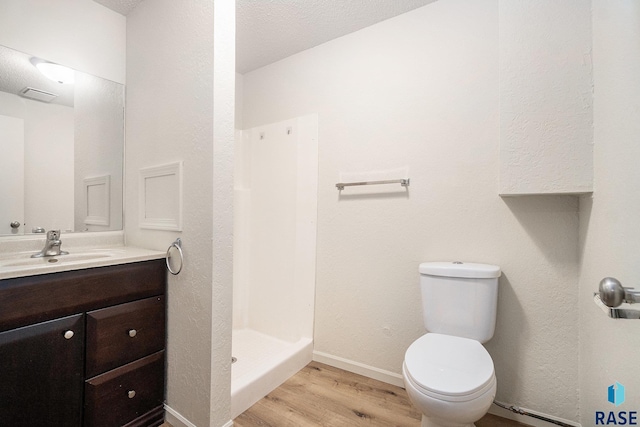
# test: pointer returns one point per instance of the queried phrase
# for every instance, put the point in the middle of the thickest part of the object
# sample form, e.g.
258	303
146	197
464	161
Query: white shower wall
275	228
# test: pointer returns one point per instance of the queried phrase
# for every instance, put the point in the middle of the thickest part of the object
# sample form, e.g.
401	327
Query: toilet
448	374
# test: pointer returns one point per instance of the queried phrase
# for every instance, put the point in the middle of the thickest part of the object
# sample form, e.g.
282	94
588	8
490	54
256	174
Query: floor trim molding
359	368
174	418
534	422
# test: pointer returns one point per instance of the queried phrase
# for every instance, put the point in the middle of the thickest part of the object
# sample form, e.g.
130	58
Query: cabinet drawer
121	395
123	333
34	299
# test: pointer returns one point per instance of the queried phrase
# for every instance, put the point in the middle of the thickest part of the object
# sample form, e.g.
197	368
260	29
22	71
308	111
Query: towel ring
178	245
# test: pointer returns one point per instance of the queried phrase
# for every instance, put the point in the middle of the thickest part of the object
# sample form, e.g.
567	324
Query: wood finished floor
321	395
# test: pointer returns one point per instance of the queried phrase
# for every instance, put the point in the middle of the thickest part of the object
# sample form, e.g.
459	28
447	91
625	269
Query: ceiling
270	30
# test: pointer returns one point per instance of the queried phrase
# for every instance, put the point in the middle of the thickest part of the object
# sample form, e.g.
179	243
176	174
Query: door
41	375
610	229
11	175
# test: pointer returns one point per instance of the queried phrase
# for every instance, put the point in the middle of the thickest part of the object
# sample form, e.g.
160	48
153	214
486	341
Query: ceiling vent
37	94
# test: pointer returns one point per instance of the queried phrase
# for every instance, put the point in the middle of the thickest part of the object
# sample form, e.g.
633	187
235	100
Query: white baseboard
359	368
174	418
501	412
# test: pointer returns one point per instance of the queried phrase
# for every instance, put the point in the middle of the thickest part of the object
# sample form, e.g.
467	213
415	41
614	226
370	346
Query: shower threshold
263	363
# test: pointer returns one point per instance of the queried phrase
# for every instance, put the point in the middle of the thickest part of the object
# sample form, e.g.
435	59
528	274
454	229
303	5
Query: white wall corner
224	91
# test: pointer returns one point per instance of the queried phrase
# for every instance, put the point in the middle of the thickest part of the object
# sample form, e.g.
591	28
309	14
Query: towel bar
403	182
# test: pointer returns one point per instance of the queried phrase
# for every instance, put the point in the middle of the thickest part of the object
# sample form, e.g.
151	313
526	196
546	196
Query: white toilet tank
460	299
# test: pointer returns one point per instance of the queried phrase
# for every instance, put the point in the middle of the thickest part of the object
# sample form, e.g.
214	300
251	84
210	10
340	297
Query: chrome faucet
51	246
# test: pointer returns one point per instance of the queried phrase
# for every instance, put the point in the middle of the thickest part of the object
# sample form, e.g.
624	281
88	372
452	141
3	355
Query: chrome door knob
133	333
15	224
611	292
68	335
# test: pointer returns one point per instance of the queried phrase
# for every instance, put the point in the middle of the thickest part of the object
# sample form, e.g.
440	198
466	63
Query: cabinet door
41	374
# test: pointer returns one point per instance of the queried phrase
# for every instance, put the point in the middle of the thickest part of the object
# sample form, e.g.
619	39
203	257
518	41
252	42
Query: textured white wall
241	199
223	117
170	117
420	92
81	34
546	97
610	231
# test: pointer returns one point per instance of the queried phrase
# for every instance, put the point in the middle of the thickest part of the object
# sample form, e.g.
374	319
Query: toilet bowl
448	374
449	379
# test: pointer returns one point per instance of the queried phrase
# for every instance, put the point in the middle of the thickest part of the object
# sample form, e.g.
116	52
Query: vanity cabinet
84	347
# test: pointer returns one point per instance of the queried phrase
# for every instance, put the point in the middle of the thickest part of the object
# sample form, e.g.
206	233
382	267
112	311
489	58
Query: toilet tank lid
467	270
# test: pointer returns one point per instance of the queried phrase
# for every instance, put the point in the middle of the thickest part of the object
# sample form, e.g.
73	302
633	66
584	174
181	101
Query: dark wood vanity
84	347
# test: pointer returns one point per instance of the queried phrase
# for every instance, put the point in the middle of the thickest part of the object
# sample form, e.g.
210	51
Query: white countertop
20	264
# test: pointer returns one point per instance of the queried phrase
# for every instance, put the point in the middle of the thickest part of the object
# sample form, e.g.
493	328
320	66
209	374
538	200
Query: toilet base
430	422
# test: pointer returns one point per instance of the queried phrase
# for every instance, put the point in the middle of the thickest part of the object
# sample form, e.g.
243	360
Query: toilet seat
449	368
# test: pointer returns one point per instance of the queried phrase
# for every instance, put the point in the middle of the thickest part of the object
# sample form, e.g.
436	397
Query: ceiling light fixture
56	72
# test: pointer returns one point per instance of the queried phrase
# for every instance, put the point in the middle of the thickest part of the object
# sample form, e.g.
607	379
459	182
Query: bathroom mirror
62	149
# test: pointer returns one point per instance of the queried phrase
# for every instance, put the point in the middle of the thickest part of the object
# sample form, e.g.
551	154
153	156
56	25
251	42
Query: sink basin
20	264
25	262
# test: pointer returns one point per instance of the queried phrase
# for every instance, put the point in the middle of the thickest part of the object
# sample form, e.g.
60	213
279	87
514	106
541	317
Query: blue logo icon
615	394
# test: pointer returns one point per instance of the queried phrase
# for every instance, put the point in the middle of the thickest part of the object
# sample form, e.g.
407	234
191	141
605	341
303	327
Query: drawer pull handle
133	333
68	335
131	394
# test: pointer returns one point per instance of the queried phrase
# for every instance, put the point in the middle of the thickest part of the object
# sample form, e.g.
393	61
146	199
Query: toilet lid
447	365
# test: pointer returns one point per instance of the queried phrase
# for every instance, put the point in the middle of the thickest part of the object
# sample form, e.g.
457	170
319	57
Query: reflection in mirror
62	148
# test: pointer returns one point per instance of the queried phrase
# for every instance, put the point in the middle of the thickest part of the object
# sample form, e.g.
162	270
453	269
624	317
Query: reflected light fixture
56	72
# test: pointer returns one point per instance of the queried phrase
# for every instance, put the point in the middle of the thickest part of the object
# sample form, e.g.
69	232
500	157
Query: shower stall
275	212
